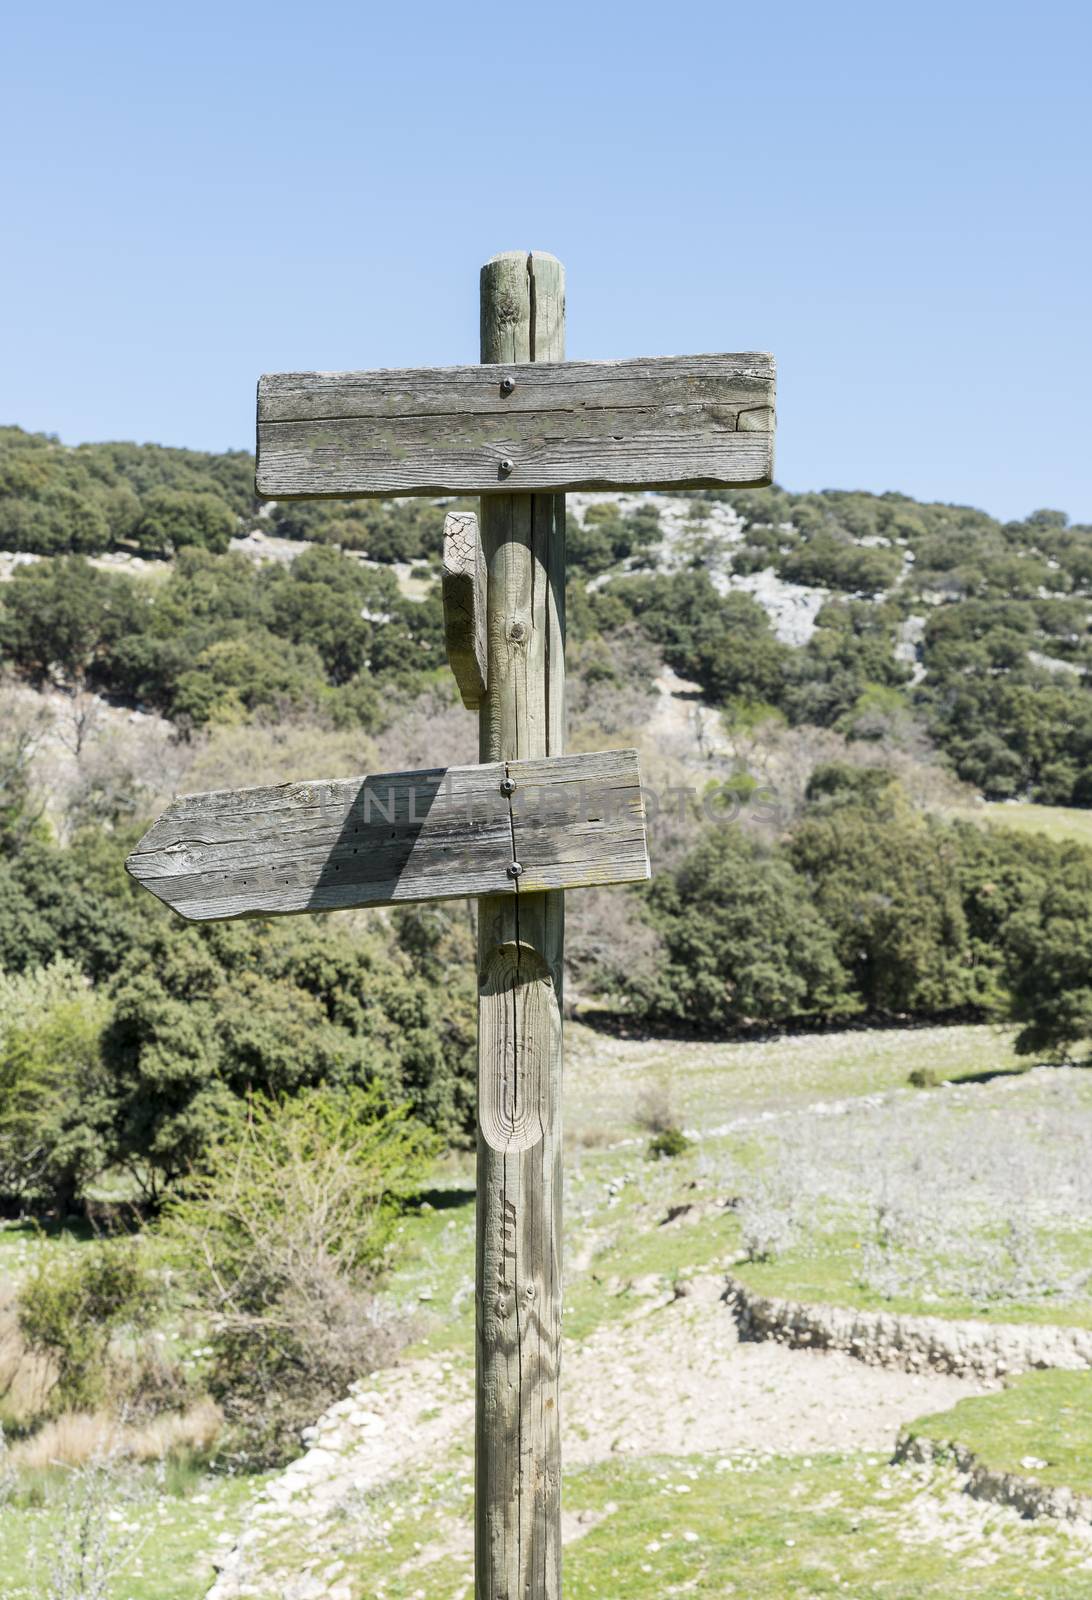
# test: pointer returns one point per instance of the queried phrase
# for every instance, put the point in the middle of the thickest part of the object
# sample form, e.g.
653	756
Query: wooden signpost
514	831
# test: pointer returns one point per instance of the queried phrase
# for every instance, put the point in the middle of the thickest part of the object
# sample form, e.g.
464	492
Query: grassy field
1039	1427
755	1526
970	1200
709	1085
777	1529
829	1274
148	1535
1057	822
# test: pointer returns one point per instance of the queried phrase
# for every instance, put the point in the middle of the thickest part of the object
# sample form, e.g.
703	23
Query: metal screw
508	786
507	385
515	869
506	465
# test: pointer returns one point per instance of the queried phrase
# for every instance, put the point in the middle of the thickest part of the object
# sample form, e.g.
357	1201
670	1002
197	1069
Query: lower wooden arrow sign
567	822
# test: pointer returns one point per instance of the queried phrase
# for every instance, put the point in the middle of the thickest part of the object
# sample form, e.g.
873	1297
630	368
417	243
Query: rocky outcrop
1024	1495
883	1338
387	1425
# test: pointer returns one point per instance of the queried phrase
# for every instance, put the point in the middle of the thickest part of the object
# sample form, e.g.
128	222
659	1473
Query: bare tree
25	725
79	720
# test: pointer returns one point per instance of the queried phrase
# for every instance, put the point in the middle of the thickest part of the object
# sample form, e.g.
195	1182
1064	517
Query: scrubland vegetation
234	1159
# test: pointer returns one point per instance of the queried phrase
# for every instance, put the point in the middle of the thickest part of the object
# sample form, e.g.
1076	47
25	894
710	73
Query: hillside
876	617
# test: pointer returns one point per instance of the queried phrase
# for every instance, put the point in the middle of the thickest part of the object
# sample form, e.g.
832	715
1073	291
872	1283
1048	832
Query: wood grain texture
520	952
440	834
464	583
702	421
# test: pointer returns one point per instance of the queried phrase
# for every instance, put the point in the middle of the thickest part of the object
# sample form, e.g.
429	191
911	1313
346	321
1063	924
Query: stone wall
884	1338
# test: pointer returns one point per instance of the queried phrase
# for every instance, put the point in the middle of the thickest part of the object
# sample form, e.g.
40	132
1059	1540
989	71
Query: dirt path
678	1381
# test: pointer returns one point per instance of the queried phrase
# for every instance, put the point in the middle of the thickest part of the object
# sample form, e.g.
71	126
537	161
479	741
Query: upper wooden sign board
670	422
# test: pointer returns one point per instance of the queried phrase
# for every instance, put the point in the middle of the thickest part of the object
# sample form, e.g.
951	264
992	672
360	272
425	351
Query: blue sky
895	201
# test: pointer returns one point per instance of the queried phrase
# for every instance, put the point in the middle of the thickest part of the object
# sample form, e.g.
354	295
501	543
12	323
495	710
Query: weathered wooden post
527	822
520	955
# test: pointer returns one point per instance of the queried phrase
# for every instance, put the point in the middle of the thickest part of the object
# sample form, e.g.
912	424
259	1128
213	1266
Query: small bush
671	1142
654	1112
923	1078
72	1306
280	1242
769	1224
92	1540
50	1025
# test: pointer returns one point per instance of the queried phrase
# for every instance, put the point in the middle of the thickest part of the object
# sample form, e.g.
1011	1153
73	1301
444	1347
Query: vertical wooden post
520	953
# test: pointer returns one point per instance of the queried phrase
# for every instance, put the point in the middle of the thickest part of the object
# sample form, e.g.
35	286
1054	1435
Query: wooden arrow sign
681	422
567	822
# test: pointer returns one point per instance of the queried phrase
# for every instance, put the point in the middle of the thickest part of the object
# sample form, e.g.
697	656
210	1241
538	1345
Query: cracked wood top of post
465	583
704	421
443	834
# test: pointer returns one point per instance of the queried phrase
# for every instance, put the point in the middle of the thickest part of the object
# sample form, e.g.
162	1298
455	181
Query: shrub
203	1016
723	642
923	1078
606	535
92	1541
768	1225
667	1144
280	1242
654	1111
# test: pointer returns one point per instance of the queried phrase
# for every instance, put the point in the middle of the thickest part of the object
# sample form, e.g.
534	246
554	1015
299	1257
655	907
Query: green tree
723	642
845	667
1048	948
55	500
201	1018
743	941
76	901
50	1026
59	619
172	518
48	506
884	880
234	677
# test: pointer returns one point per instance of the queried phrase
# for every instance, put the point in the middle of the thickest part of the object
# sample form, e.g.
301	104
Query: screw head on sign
508	786
515	869
507	385
506	465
